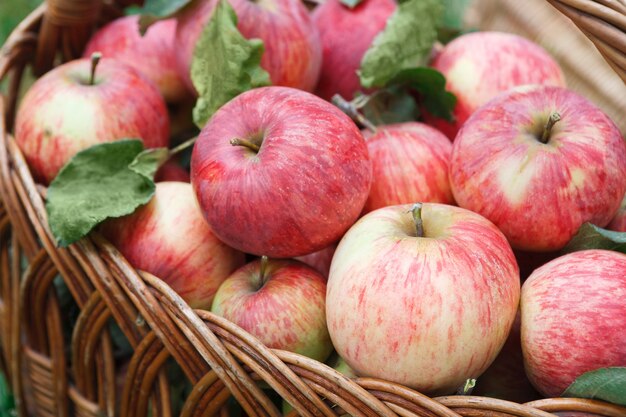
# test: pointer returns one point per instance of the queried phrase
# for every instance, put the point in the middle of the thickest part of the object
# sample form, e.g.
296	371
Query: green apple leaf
351	3
430	85
406	42
607	384
148	161
95	185
389	106
225	64
590	236
155	10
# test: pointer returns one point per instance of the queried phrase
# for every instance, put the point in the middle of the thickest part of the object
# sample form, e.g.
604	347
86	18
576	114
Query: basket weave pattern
53	377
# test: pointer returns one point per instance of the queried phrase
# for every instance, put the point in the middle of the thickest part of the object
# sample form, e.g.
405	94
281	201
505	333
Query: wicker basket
53	376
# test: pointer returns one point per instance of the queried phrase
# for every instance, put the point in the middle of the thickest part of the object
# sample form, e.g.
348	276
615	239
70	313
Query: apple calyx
416	211
95	59
262	277
351	108
245	142
547	130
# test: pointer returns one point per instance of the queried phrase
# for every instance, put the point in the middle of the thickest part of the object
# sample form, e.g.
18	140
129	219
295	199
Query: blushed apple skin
286	312
292	54
479	66
152	54
574	318
61	115
618	223
539	194
410	162
306	186
346	34
320	260
169	238
423	312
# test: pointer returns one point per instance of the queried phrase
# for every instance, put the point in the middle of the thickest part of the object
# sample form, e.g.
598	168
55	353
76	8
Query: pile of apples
401	247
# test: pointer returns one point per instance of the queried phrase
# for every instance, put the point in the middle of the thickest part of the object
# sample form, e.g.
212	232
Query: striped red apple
424	303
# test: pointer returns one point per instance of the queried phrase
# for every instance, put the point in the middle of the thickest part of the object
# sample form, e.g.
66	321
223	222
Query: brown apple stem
95	59
186	144
416	210
245	142
349	108
264	260
547	130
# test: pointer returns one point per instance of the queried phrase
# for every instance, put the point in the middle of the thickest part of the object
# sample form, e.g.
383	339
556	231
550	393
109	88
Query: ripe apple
410	163
169	238
506	378
76	106
320	260
293	53
574	318
281	302
539	162
424	303
152	54
280	172
480	65
171	171
346	34
619	220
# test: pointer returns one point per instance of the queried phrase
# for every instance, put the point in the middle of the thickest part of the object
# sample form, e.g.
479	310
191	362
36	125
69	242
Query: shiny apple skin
284	311
61	115
410	162
293	52
478	66
304	188
574	318
618	223
424	312
169	238
152	54
539	194
346	34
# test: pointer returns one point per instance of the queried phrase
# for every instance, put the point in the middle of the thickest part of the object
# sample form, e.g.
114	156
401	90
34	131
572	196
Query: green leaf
607	384
389	106
97	184
406	42
148	162
590	236
154	10
225	64
351	3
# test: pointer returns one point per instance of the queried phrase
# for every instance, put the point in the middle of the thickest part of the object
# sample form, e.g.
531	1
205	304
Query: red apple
346	34
171	171
574	318
618	223
320	260
428	312
64	112
169	238
293	54
282	303
410	163
478	66
539	181
152	54
506	378
280	172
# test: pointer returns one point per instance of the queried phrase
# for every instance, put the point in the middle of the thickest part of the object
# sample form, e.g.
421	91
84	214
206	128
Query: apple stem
186	144
416	210
246	143
547	130
352	110
95	59
264	261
